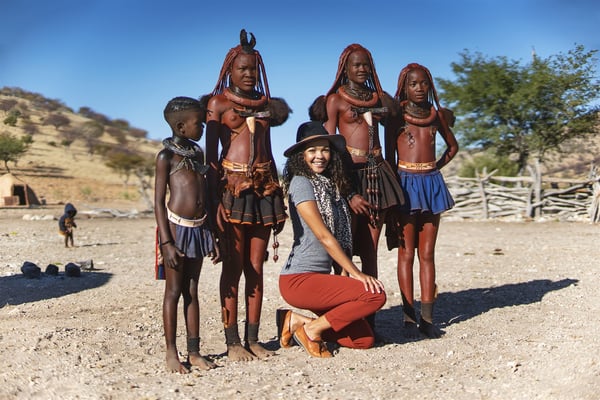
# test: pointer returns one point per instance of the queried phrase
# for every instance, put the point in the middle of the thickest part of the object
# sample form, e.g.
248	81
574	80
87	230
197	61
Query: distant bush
57	120
11	119
138	133
30	128
91	131
7	104
120	123
117	133
91	114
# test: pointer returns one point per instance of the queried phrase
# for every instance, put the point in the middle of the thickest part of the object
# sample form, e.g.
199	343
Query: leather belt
190	223
363	153
239	167
419	166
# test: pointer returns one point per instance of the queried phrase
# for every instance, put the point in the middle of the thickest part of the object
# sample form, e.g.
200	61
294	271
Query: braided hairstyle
317	110
401	95
179	104
341	79
245	47
446	115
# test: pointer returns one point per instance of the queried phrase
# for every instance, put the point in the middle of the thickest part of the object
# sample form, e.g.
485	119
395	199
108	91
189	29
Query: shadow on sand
455	307
16	289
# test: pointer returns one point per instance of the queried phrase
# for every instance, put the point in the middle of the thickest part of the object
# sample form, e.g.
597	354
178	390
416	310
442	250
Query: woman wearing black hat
317	186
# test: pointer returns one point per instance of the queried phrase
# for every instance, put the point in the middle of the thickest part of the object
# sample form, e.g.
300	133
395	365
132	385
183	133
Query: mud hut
14	192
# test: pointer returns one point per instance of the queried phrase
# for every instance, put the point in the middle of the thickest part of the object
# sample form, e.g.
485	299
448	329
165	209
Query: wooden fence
526	197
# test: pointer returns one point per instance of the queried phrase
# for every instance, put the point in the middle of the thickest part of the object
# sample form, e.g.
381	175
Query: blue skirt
424	192
194	242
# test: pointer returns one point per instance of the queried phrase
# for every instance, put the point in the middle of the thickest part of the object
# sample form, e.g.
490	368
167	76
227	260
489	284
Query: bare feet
430	330
197	360
237	352
258	350
173	363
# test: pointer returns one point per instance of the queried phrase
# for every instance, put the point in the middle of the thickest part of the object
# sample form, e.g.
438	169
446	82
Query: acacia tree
126	162
57	120
12	148
524	110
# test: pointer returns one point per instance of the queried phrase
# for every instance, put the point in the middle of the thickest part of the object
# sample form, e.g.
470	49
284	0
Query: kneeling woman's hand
372	284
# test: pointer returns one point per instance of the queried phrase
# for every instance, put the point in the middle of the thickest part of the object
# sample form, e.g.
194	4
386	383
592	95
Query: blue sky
127	58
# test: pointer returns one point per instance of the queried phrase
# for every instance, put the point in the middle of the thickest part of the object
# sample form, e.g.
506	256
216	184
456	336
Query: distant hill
60	172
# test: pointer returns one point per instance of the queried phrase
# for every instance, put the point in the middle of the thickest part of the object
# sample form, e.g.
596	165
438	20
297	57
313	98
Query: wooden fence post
484	201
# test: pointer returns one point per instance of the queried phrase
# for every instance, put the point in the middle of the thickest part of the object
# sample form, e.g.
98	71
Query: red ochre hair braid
400	95
340	78
262	85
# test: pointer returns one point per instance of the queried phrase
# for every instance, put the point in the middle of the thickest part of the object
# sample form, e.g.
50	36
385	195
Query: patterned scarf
334	210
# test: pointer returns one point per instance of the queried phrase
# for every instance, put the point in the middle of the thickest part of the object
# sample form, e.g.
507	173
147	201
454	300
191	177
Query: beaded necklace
415	115
234	95
365	99
189	156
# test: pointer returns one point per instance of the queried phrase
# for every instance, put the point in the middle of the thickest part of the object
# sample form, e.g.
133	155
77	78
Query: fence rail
488	196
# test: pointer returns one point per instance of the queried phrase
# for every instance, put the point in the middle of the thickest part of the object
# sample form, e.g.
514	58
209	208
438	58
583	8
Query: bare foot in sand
237	352
258	350
173	363
197	360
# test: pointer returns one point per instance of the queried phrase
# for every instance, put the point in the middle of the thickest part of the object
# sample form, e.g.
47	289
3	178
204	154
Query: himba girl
412	138
240	112
353	107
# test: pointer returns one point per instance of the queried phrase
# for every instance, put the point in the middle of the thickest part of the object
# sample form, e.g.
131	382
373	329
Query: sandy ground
519	303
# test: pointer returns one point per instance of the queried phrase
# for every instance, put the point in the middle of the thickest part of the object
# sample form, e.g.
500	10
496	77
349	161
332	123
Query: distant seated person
66	223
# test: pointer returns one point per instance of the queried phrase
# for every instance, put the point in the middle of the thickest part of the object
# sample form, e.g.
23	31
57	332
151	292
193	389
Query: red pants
343	300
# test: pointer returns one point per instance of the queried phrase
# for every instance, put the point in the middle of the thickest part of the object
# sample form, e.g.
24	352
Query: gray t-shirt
307	254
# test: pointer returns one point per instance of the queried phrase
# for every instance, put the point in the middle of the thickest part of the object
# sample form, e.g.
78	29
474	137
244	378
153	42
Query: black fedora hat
314	130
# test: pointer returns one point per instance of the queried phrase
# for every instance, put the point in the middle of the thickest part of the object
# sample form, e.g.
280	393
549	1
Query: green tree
12	148
11	119
125	163
528	110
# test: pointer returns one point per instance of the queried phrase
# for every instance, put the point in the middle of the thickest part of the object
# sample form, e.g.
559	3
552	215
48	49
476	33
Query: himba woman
411	137
353	107
240	112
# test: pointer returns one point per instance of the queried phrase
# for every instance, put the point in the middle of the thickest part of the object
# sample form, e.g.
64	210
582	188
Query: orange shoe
315	348
283	319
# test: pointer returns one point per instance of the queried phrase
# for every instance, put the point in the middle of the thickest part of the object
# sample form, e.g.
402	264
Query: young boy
184	232
66	223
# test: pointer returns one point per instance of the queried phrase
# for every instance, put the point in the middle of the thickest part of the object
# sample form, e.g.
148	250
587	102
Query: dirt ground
519	303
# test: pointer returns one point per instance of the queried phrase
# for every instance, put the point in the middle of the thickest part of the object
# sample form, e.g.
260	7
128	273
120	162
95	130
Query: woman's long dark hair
336	171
